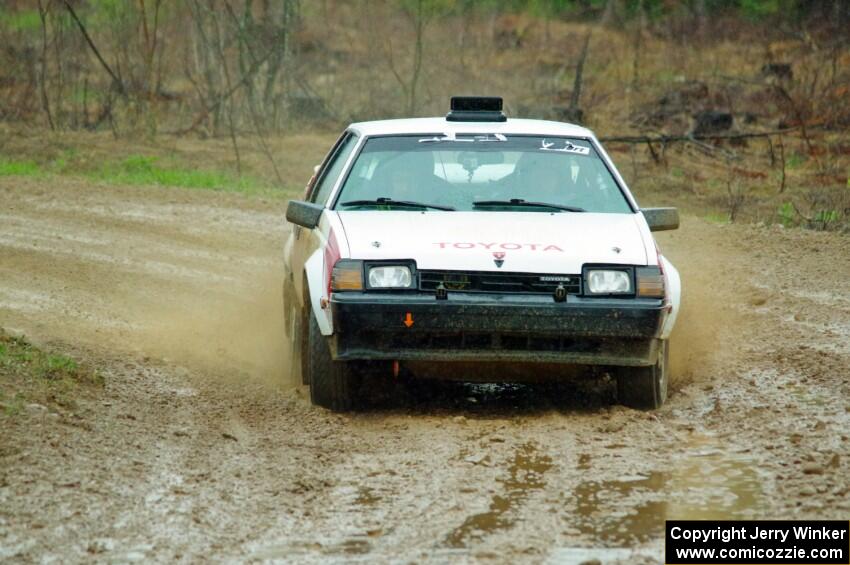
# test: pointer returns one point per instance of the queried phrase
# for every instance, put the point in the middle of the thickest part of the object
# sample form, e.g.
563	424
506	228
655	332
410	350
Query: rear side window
331	172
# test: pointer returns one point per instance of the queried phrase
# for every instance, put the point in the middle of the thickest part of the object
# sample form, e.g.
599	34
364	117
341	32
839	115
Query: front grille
485	281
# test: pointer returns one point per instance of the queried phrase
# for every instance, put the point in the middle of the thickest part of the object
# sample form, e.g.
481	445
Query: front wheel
294	326
333	384
645	388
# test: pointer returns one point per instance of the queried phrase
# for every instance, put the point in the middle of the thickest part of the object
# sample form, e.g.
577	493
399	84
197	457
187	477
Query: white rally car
469	247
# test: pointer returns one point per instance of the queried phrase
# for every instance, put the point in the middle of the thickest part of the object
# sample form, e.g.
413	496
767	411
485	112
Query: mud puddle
525	475
366	497
351	549
707	483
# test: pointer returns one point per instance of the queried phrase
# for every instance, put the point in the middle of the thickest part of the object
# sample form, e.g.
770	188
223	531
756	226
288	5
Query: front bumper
496	327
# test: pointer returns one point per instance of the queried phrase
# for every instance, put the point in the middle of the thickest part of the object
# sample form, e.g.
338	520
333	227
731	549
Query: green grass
9	167
29	374
795	161
142	170
715	218
786	214
23	20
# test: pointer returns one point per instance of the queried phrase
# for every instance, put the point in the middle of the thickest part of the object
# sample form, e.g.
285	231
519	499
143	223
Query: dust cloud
233	333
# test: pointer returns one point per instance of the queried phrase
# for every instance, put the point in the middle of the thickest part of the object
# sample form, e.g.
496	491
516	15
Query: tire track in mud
194	449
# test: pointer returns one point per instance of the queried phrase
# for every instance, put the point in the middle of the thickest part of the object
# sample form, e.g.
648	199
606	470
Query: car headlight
605	281
390	276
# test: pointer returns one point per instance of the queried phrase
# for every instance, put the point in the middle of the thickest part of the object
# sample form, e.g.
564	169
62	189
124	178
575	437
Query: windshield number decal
568	147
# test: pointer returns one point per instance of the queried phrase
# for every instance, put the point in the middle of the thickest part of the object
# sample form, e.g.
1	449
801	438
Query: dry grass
636	81
748	185
167	160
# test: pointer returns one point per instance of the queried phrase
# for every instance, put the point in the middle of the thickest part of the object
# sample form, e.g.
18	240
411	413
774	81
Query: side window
311	186
331	172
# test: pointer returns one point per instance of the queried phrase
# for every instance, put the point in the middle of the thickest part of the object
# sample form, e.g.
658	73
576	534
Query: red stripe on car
331	257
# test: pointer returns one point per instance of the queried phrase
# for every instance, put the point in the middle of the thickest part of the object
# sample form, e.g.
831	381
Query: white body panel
533	242
674	296
306	252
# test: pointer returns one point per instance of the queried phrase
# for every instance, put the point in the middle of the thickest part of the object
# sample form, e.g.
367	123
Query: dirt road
199	448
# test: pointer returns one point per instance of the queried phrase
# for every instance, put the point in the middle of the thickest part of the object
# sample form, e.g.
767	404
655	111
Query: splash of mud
705	337
235	329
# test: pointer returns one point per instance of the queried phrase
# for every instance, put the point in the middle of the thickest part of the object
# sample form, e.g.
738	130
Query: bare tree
574	112
150	85
735	194
638	44
119	85
420	12
610	12
45	101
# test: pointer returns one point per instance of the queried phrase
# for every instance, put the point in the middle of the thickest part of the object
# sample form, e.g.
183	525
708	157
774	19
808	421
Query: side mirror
660	219
304	214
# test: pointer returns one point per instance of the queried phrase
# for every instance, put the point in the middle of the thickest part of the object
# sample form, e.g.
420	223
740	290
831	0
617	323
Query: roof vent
476	109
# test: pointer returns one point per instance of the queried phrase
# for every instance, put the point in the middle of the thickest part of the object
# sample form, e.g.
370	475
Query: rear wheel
645	388
333	384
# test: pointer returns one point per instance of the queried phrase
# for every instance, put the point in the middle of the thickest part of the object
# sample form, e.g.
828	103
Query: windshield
481	172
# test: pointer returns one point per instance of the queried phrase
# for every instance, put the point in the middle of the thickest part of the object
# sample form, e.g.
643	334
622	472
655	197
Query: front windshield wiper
384	201
519	202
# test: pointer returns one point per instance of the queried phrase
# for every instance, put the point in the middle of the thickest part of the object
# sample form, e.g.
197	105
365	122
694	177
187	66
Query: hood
529	242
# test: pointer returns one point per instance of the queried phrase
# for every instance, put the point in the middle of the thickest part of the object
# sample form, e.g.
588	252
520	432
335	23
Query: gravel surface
200	447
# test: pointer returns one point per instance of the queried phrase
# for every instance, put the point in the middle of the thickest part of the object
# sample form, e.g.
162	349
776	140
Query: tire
288	301
293	327
645	388
333	384
302	319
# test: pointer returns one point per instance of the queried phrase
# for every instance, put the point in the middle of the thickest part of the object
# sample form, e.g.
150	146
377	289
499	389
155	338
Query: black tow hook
560	293
441	292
